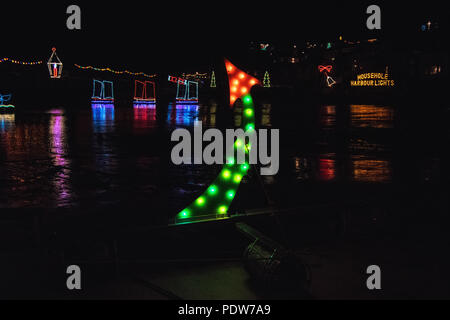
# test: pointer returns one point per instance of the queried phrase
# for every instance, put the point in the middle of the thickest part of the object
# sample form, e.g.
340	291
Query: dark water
104	156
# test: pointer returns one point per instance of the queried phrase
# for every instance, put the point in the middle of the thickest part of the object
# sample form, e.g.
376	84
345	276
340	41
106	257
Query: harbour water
99	156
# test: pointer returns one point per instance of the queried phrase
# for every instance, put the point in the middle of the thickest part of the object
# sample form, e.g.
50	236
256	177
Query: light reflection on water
326	168
7	122
182	114
371	170
44	156
371	116
328	116
103	117
58	152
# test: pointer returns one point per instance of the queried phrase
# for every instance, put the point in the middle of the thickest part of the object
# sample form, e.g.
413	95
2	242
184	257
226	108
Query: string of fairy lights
116	72
33	63
24	63
104	69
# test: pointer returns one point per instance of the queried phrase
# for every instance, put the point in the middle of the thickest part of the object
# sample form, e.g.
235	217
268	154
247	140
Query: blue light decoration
102	96
190	94
4	98
147	94
187	91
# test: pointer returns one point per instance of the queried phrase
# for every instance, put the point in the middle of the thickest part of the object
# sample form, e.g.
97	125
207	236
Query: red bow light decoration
325	68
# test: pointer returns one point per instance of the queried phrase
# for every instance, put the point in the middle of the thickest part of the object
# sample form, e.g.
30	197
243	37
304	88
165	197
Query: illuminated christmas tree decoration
116	72
147	92
55	65
266	81
213	80
218	197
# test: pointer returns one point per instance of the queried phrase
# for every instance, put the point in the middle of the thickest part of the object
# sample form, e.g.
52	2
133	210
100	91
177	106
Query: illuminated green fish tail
216	200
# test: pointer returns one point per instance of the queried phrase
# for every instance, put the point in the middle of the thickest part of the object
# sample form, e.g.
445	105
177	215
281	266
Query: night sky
145	36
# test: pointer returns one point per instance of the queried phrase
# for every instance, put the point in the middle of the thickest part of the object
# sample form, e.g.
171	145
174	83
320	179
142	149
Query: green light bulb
212	191
237	178
245	167
239	143
250	127
230	161
201	201
248	112
231	194
226	174
247	99
185	214
222	209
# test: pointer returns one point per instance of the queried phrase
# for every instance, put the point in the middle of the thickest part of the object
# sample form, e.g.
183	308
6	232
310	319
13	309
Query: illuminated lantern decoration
4	98
55	65
215	202
147	93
